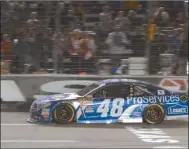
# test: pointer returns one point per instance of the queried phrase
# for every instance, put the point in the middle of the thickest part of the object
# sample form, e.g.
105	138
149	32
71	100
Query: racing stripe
127	113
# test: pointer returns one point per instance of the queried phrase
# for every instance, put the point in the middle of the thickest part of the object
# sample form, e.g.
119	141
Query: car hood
65	96
56	97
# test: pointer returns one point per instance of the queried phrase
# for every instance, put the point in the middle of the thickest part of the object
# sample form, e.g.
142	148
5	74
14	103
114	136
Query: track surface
17	133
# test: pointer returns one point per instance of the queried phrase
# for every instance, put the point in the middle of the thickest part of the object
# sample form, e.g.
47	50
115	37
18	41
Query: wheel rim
154	114
63	113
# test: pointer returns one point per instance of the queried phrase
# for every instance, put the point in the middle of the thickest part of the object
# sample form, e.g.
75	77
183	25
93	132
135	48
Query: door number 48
116	108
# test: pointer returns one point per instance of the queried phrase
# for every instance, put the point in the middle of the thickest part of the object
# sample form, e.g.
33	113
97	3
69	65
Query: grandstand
95	37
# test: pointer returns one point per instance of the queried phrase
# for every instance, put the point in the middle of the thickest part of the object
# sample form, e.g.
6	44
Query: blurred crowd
72	36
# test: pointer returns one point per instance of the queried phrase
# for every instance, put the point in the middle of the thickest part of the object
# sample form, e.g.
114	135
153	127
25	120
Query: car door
135	103
108	103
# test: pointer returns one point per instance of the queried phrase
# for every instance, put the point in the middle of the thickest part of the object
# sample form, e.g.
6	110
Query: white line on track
160	147
17	124
39	141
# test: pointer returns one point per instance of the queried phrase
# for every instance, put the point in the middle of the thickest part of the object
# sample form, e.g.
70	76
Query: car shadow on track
165	124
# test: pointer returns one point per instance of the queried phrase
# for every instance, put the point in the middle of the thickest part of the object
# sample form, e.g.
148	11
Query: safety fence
30	46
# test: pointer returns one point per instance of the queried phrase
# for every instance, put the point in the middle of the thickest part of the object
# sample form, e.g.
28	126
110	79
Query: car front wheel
64	113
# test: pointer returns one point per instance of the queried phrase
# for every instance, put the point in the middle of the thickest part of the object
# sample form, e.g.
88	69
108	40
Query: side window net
138	91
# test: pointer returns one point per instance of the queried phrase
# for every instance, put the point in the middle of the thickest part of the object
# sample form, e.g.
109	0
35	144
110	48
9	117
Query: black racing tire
153	114
64	113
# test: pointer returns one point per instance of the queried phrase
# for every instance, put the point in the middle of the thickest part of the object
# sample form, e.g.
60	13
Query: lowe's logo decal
178	109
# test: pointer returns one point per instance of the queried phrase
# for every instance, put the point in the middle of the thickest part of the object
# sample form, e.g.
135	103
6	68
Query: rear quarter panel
177	109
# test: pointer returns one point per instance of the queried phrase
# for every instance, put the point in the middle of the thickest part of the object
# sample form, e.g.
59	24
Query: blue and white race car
111	101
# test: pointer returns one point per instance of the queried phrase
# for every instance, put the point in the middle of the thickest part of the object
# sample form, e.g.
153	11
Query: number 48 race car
111	101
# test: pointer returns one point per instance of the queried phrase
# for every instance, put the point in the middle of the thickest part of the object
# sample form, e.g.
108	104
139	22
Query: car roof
110	81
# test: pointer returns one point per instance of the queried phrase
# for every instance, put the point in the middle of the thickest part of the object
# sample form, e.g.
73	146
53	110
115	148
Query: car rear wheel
154	114
64	113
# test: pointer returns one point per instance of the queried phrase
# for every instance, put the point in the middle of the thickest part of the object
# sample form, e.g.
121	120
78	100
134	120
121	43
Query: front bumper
33	121
34	117
35	113
37	116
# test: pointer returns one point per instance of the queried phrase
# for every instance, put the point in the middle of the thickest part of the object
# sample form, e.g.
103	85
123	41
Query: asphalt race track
17	133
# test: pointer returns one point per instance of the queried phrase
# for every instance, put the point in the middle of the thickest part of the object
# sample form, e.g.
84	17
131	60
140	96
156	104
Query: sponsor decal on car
45	114
160	92
178	109
153	99
83	105
184	98
85	99
89	109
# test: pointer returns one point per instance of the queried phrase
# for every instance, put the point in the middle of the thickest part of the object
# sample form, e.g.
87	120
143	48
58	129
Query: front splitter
33	121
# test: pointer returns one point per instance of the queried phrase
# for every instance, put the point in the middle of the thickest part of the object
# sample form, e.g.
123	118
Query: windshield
87	89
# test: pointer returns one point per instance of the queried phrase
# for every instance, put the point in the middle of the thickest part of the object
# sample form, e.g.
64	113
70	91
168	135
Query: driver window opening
115	91
139	92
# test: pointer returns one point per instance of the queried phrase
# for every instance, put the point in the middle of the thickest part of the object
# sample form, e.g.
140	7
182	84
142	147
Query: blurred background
94	37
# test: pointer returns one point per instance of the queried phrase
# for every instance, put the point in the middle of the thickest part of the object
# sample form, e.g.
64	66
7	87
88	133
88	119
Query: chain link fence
98	37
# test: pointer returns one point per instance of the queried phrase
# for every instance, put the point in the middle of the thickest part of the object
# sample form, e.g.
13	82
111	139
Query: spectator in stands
141	16
32	21
32	25
137	19
82	50
105	23
26	24
79	11
174	41
6	51
122	21
34	37
47	49
21	12
74	49
116	41
161	17
131	16
21	53
180	17
6	47
158	46
58	52
8	24
89	47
